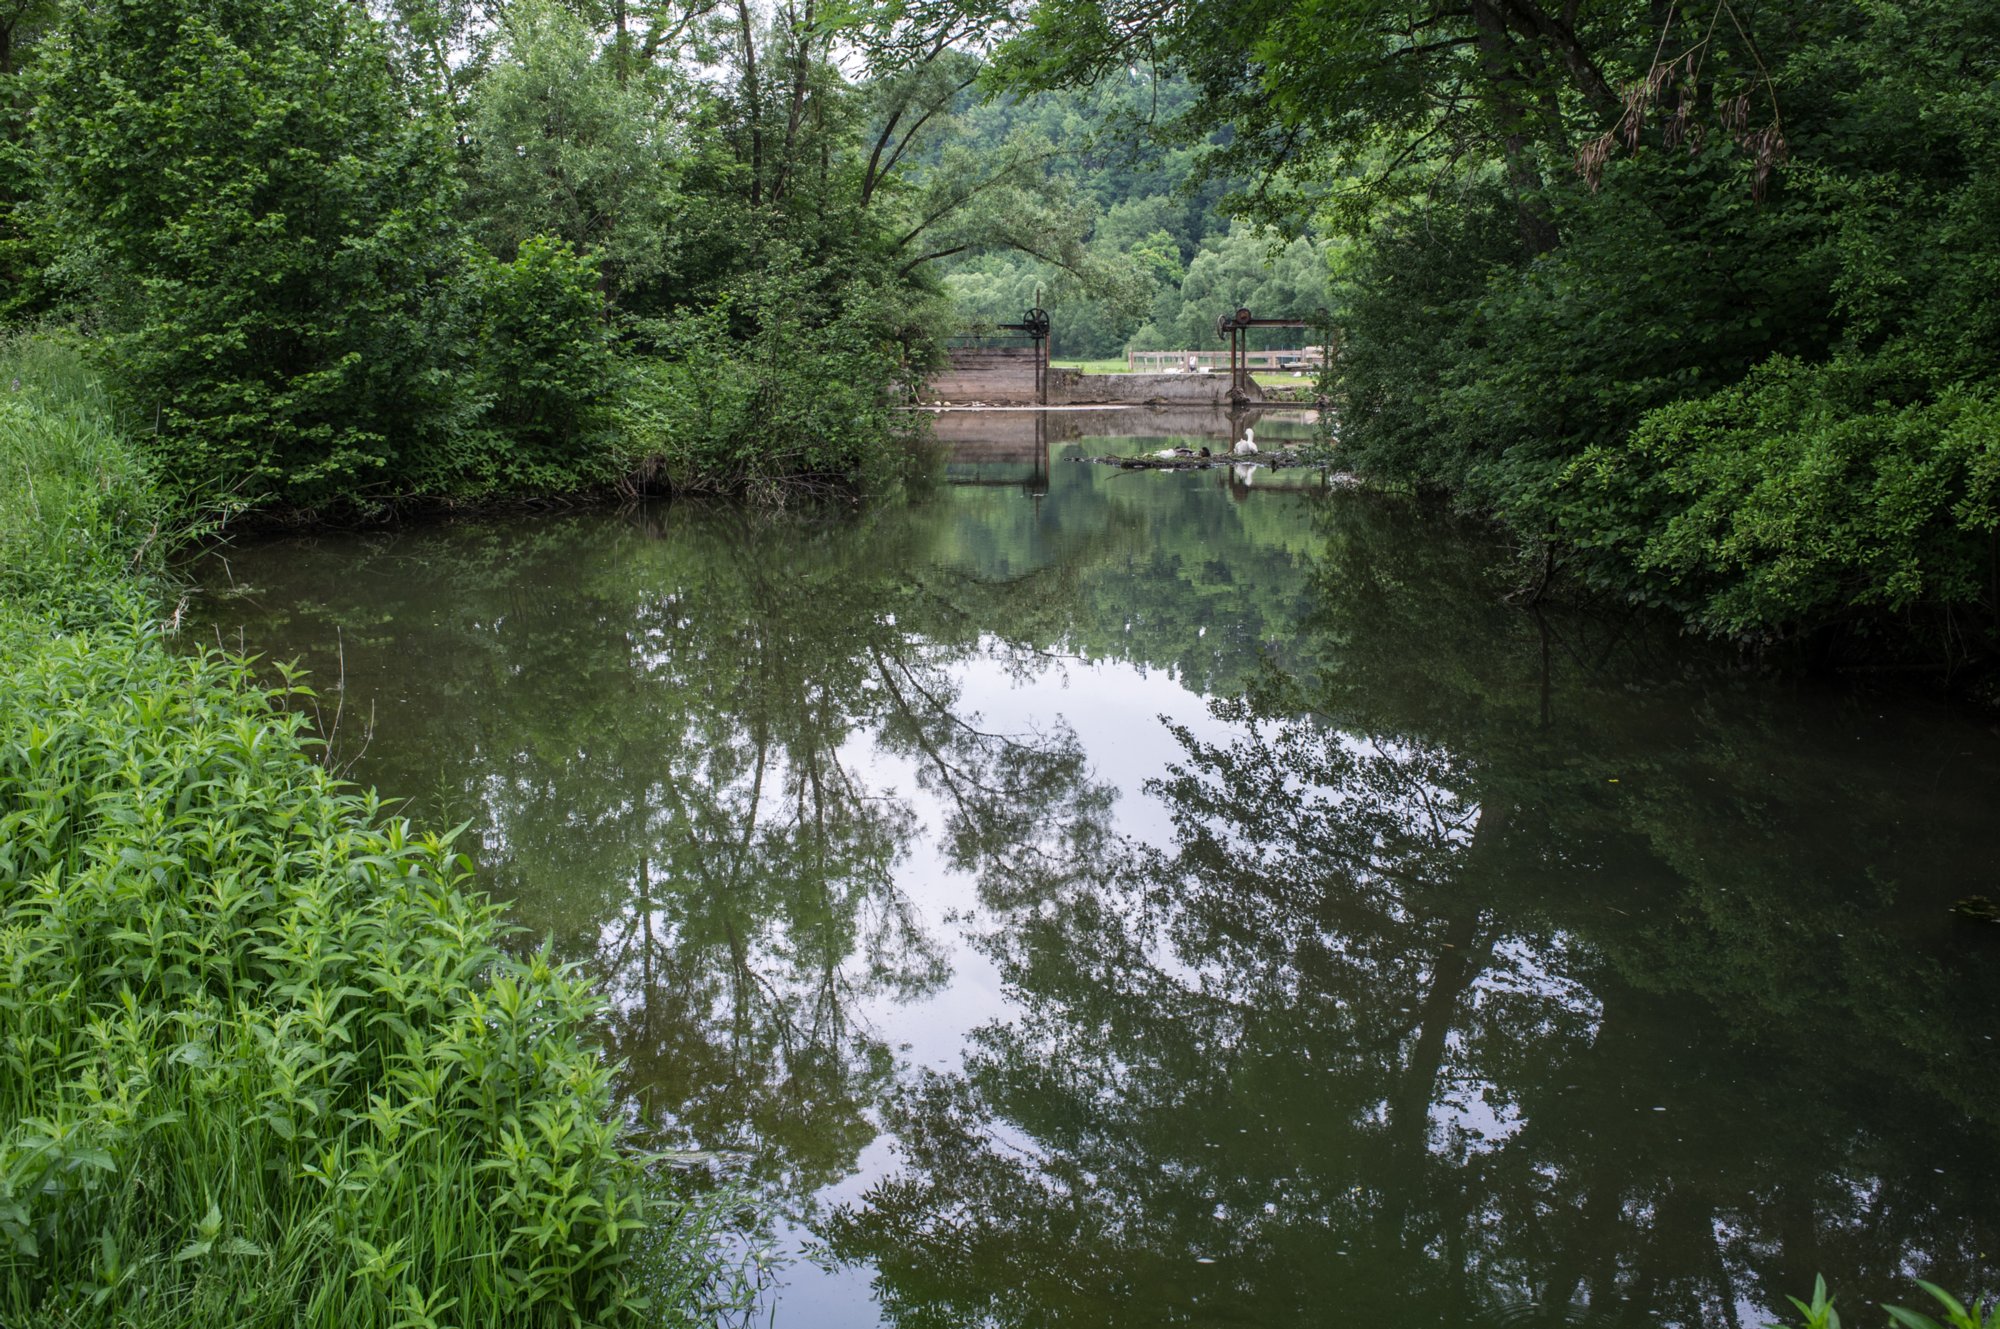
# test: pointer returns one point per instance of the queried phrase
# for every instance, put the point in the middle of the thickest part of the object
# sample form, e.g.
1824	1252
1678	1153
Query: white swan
1248	446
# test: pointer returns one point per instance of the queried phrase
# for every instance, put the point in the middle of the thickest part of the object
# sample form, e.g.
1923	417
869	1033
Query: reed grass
263	1059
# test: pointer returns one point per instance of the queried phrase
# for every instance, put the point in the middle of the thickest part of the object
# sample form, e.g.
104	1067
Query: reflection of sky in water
1711	1033
1114	709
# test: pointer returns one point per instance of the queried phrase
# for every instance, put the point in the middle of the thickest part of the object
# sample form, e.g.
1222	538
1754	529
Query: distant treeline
1161	259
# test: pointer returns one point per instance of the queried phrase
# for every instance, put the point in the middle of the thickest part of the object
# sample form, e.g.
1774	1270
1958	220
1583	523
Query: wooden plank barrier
986	373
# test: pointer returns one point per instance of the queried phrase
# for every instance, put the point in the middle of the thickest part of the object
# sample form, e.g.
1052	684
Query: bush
1407	302
544	375
1469	366
1770	409
22	252
245	189
790	382
1804	496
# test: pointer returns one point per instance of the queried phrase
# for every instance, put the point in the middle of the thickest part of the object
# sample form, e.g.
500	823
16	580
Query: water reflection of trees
1382	1032
676	740
1462	986
726	852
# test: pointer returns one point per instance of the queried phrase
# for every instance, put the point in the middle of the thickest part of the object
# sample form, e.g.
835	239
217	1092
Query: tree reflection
1246	1069
678	743
1453	995
1489	960
727	854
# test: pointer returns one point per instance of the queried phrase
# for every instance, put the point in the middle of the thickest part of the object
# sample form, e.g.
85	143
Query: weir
1018	448
1009	366
1006	376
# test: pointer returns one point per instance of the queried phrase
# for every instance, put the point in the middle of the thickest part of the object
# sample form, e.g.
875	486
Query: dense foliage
335	260
266	225
266	1063
778	386
1696	296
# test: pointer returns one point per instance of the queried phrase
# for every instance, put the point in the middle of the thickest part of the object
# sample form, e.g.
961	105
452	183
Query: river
1090	897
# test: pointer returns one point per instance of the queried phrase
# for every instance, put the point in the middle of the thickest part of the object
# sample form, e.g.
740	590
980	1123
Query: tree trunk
801	35
1507	94
752	104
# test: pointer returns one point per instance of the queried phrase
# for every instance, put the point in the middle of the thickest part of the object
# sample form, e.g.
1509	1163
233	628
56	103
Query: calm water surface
1104	898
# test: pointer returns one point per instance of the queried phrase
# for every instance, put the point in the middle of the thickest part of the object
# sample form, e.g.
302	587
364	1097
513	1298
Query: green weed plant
1957	1315
1820	1314
264	1060
80	520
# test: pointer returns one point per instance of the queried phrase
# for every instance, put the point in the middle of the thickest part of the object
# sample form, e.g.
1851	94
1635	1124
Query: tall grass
262	1058
80	520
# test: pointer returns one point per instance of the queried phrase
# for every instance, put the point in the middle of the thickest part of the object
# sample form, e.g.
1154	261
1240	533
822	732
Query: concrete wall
1140	389
973	436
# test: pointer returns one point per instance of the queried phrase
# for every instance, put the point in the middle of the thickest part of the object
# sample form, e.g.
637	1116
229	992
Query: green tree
545	373
564	145
267	225
23	255
790	379
1242	269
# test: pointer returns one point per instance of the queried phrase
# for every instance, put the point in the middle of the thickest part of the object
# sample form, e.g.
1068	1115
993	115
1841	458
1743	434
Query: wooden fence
1166	362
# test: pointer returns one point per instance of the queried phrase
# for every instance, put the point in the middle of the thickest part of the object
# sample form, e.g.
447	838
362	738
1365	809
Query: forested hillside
1161	258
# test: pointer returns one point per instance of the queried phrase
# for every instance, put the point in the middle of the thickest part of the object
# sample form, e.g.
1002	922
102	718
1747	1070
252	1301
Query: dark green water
1100	898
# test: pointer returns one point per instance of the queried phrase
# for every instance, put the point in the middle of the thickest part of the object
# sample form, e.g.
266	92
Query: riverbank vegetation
333	262
1693	297
1696	297
267	1061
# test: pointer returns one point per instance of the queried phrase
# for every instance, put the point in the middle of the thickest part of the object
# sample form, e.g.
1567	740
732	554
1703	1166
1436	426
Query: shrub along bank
330	272
1761	393
265	1061
1696	297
